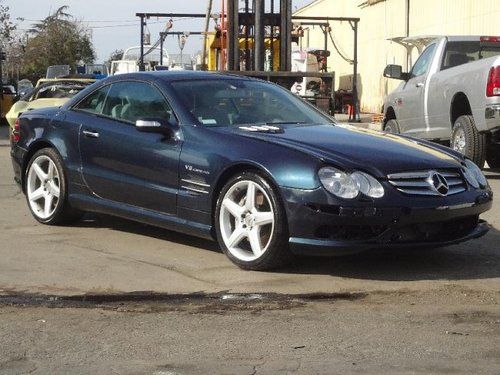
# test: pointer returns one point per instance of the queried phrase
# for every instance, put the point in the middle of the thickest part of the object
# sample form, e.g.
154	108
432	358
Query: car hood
351	147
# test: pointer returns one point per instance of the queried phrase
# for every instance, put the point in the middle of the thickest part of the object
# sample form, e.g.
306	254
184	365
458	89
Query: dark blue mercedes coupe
246	163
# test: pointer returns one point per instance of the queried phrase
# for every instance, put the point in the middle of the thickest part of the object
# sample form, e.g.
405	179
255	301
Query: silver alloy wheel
246	220
43	187
458	142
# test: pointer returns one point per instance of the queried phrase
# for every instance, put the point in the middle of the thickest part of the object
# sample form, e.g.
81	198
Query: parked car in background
8	99
24	87
245	162
452	94
48	93
129	63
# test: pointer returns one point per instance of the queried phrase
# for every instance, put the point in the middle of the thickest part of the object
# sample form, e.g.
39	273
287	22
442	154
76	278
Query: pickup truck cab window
422	64
459	53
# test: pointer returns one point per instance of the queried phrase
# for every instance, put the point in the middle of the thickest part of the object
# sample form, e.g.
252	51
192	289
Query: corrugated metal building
385	19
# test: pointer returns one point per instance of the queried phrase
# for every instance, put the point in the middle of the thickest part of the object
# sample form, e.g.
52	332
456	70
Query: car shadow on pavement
492	174
476	259
128	226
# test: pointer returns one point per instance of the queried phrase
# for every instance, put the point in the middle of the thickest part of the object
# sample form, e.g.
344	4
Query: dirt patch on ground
147	302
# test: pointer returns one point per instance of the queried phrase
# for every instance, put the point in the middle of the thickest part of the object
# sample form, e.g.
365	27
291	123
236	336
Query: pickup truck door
411	99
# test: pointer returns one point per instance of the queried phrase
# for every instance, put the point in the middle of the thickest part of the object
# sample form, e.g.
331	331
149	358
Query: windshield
57	71
225	102
60	90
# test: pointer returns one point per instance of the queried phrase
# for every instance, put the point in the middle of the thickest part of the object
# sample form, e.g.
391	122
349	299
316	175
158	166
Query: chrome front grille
421	182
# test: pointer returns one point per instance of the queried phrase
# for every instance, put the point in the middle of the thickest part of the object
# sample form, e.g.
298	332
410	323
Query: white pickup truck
451	95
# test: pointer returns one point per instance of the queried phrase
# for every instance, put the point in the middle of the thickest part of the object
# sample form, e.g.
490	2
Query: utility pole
2	58
205	36
141	58
407	33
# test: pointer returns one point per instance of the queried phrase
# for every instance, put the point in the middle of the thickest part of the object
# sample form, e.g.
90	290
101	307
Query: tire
392	126
493	157
46	189
467	140
248	244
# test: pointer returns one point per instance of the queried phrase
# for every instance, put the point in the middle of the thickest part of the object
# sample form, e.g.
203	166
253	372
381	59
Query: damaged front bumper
319	224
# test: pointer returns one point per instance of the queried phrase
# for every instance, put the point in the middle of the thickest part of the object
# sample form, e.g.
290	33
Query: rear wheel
251	223
392	126
46	189
468	141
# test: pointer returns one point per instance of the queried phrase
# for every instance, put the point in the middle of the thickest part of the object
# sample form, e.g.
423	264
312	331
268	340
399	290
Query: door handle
420	84
90	134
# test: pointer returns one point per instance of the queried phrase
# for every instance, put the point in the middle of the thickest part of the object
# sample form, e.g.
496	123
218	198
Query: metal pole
223	49
231	21
407	32
285	35
259	56
355	74
141	59
207	25
181	46
161	49
325	34
271	37
247	36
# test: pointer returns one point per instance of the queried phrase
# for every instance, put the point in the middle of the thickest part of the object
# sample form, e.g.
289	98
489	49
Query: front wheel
468	141
251	223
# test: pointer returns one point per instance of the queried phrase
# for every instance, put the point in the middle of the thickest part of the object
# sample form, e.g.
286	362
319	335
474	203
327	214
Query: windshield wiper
287	122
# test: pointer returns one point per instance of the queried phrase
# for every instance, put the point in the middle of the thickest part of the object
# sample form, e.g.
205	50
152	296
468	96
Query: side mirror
395	71
155	126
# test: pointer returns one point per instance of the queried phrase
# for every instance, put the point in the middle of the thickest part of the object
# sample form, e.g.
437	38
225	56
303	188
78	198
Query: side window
130	101
422	64
94	102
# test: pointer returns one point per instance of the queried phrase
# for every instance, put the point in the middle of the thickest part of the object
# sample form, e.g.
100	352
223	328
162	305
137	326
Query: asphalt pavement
113	296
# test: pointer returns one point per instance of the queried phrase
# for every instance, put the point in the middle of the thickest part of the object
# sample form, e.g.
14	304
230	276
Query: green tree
117	54
59	39
7	27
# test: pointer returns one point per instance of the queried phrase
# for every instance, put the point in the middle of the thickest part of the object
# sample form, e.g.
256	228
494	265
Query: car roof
179	75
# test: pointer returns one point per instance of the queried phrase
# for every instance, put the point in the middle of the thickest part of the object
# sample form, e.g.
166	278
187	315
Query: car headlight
349	185
368	185
473	175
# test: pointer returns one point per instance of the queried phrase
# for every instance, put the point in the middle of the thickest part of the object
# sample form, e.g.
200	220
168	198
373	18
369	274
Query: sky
113	22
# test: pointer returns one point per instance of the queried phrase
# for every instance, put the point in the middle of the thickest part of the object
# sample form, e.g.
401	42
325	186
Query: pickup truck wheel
392	126
493	157
468	141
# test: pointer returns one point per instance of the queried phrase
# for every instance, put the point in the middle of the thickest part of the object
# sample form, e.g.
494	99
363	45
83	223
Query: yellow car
48	93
